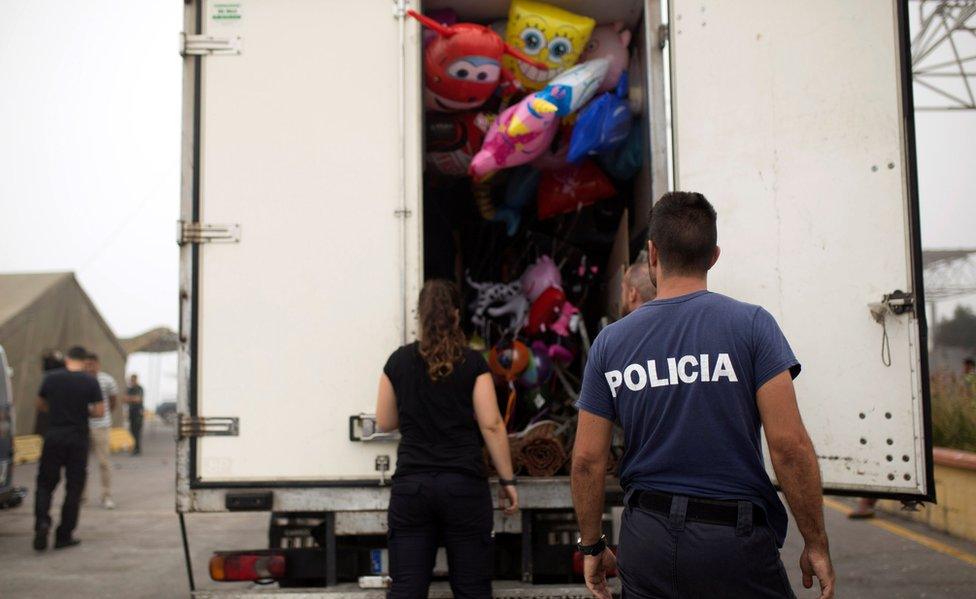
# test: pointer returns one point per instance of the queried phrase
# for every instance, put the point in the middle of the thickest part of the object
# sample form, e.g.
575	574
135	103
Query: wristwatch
594	549
507	482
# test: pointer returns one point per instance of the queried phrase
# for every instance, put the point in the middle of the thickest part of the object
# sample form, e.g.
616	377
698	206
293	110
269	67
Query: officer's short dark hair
682	227
92	356
77	352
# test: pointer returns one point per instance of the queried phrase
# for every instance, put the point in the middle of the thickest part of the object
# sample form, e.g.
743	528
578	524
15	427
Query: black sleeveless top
437	421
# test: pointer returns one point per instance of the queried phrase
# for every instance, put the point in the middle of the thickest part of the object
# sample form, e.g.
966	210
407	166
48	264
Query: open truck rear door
321	197
795	119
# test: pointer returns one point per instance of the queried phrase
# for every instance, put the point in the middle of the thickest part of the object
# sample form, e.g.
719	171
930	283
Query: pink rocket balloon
517	136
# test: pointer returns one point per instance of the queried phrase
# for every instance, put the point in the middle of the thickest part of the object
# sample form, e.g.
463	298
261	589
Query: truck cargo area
540	238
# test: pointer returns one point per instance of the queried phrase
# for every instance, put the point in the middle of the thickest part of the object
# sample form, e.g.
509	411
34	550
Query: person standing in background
100	427
133	397
636	288
69	396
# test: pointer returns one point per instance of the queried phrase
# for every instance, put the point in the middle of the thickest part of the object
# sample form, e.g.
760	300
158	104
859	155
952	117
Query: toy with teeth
552	35
462	65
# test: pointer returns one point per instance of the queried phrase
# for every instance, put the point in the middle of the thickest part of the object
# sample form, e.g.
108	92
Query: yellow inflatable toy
548	34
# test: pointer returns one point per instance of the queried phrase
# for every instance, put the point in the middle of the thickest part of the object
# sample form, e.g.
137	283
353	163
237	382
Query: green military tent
43	312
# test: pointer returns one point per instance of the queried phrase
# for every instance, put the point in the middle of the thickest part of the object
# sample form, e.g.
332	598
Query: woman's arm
387	419
496	437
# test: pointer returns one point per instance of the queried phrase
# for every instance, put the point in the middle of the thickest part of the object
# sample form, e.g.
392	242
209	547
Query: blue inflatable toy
519	189
603	124
625	162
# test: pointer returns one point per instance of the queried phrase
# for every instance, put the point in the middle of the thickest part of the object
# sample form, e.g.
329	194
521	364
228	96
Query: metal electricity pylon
944	54
948	274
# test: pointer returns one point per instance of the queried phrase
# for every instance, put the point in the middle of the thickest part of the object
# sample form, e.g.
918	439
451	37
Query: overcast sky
89	153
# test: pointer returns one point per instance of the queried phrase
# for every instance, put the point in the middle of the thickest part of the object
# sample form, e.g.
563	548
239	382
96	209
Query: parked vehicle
303	249
166	411
10	496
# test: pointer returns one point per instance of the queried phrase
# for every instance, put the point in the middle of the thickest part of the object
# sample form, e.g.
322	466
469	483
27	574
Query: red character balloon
462	66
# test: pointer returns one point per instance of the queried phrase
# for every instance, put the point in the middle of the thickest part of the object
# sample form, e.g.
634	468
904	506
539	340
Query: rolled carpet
542	456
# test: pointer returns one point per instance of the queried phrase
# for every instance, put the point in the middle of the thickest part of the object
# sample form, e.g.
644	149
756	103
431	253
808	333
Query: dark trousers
66	449
668	556
429	510
135	427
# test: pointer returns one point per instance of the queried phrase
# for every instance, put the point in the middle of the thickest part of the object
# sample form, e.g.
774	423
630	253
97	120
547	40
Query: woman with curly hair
441	396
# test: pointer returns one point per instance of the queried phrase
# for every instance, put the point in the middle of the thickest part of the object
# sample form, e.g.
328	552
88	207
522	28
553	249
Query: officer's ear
652	256
718	252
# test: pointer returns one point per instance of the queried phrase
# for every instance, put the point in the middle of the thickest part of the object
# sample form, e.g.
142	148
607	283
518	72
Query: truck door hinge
195	232
399	9
402	213
208	426
206	44
662	36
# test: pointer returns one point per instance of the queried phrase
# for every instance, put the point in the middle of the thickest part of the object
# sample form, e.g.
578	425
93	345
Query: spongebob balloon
548	34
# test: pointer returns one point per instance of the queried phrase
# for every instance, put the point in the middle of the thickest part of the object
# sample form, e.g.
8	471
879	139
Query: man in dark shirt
133	397
69	396
692	377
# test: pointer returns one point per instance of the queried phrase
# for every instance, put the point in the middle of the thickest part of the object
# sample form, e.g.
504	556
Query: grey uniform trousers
666	556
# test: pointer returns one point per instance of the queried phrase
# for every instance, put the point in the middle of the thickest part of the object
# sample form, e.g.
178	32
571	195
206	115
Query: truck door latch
900	302
362	427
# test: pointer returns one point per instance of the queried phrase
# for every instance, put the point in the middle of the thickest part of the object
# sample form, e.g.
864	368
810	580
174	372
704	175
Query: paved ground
135	551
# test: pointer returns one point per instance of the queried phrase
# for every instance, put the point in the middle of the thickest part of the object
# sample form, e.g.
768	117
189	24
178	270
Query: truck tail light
256	565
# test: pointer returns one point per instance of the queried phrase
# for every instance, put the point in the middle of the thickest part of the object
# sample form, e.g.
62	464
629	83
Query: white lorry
302	248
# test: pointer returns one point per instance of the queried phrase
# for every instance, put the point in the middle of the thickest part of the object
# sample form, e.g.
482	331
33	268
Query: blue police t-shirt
680	375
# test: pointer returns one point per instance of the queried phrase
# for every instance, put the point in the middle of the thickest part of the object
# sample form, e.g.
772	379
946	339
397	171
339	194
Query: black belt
711	511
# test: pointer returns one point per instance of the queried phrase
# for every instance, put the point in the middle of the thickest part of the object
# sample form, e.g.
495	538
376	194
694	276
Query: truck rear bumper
438	590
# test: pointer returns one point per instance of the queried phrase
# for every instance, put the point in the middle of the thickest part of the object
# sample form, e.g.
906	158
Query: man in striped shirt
101	426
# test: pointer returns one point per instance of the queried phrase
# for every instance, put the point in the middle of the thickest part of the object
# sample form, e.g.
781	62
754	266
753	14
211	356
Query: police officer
691	377
69	396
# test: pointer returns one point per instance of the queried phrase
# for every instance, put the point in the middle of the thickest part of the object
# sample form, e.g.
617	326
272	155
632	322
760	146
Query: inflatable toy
516	309
539	276
444	16
490	295
530	376
554	36
453	139
603	124
625	162
551	312
556	155
543	362
520	188
568	92
517	136
509	362
560	355
572	188
580	280
462	66
610	42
